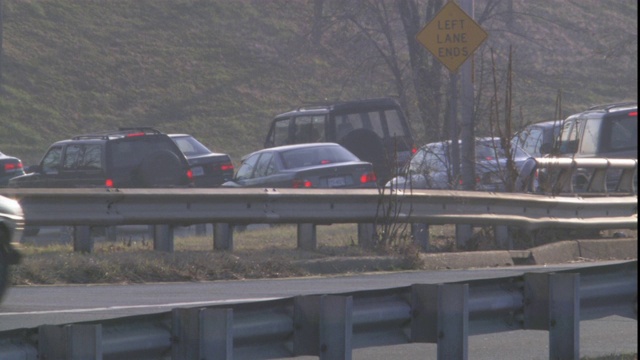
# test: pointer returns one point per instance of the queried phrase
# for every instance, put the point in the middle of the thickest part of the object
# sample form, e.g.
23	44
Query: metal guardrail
165	208
331	326
596	170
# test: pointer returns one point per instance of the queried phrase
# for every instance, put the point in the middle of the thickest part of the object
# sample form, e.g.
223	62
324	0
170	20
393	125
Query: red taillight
414	149
633	113
108	183
488	158
12	166
226	167
298	184
368	177
135	134
323	162
190	174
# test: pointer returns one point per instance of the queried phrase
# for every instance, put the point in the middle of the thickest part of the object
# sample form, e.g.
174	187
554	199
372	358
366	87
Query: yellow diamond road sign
452	36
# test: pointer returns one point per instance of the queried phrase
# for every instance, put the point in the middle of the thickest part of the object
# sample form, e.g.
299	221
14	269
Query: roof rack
121	132
144	129
311	105
607	107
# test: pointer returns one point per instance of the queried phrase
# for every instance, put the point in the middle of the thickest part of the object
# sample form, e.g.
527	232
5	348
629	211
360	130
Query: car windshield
316	155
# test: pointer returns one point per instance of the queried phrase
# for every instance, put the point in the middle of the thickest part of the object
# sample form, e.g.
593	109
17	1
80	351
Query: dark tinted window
190	146
317	155
624	133
130	152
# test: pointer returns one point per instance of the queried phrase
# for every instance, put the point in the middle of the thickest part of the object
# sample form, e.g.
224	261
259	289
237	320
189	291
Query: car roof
342	106
293	147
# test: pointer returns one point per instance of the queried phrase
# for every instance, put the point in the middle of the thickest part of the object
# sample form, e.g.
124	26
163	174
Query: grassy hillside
221	70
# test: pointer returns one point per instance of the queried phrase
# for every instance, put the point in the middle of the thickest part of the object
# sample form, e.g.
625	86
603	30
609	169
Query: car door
82	166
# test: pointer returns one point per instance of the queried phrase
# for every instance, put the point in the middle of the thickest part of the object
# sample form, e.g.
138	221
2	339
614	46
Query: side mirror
33	169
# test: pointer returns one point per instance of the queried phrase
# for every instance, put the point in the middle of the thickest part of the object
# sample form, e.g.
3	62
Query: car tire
367	146
161	169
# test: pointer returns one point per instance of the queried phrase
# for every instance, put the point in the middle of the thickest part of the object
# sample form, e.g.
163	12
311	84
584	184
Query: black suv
140	157
375	130
605	131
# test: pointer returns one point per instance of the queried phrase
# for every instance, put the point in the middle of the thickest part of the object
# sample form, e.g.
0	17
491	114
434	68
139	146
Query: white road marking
113	308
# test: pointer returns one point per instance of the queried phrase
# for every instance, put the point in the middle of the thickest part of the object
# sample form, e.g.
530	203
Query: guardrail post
307	237
71	342
223	236
163	238
552	302
323	326
366	235
627	180
503	240
82	241
463	234
440	314
420	233
204	334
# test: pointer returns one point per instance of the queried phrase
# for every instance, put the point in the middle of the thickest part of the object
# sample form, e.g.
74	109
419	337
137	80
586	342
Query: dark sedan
314	165
9	167
209	169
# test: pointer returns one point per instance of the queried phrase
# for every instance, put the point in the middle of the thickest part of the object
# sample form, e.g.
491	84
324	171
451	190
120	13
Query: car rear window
317	155
129	152
624	132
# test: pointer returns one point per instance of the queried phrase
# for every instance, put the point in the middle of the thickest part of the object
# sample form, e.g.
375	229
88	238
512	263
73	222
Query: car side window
279	134
624	133
52	160
533	142
309	129
263	166
82	157
590	138
246	169
569	137
394	124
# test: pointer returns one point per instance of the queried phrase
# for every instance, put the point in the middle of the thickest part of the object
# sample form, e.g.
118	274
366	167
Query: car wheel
160	169
367	146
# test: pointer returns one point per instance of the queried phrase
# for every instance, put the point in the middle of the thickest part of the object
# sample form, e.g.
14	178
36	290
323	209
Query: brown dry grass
264	252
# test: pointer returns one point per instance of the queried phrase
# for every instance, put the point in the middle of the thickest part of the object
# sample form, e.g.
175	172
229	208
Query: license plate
197	171
336	182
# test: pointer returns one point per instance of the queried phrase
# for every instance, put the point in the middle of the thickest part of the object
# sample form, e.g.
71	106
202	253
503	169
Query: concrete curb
555	253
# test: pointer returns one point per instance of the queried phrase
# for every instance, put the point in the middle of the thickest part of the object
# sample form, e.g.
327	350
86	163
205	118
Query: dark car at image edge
10	167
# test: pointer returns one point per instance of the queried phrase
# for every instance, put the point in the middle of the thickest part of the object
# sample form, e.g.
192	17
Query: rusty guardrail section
331	326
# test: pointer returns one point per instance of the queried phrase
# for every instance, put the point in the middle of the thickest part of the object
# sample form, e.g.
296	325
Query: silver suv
606	131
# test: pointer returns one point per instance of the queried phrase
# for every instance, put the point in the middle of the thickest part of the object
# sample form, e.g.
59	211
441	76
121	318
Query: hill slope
221	70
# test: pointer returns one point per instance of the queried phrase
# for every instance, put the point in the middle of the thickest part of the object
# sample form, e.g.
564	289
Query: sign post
452	37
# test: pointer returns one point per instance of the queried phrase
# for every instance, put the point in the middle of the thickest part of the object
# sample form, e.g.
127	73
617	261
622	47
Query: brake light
135	134
298	184
12	166
633	113
226	167
190	174
323	162
488	158
368	177
108	183
414	149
